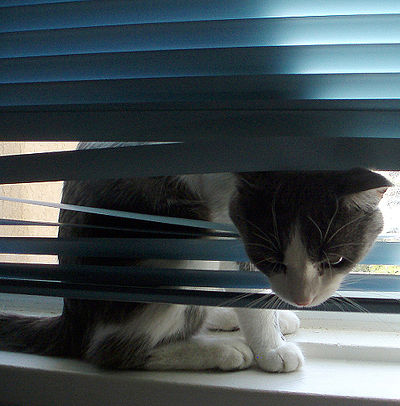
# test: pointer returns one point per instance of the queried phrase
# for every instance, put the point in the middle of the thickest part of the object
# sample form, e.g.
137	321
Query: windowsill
344	366
35	380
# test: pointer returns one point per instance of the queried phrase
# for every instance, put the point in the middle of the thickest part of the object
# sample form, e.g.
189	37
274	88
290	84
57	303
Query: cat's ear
363	188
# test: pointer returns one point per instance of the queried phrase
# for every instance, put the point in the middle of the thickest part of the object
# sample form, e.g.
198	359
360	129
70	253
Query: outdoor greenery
381	269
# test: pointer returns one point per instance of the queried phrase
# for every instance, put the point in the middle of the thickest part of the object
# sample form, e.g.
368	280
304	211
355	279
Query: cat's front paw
234	355
286	358
289	323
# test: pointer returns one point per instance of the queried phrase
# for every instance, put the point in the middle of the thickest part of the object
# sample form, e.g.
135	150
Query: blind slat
193	233
183	296
222	250
94	13
135	276
292	60
204	89
384	29
181	249
220	155
201	224
147	277
194	121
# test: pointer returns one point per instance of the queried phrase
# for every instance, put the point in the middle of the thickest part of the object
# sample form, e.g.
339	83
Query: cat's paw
234	355
286	358
222	319
289	323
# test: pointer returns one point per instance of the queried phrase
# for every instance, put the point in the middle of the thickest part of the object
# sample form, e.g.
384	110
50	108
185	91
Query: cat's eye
333	260
336	261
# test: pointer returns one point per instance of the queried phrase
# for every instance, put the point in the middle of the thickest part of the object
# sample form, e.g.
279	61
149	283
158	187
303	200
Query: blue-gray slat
385	253
142	277
218	155
352	303
33	15
193	121
290	87
383	29
287	60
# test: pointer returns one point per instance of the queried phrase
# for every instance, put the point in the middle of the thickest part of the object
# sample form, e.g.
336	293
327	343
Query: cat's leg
225	319
222	319
271	351
127	344
200	353
289	323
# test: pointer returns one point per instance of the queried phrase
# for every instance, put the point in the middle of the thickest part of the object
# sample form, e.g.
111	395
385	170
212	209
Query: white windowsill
349	362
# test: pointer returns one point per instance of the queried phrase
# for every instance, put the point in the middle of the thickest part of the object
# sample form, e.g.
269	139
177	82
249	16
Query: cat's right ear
364	188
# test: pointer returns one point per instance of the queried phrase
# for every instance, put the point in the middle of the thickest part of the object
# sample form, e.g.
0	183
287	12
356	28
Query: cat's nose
303	303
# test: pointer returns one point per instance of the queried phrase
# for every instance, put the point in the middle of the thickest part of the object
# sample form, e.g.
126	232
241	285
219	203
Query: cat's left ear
363	188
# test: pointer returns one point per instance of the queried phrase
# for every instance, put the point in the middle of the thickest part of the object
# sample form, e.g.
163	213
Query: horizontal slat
19	3
382	29
222	250
94	13
384	253
292	60
218	155
134	276
204	89
200	224
147	277
169	248
194	233
195	121
183	296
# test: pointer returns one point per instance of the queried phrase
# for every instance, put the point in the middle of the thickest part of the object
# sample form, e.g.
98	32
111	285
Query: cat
304	230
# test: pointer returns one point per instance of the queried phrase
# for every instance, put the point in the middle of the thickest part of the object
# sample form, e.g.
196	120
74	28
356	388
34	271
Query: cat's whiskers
344	226
331	220
274	220
266	260
353	303
263	235
267	297
254	244
255	226
347	244
318	228
280	304
267	239
354	281
236	299
329	265
336	301
270	304
373	316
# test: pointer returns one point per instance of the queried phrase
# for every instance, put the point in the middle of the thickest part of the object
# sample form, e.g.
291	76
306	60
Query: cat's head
307	230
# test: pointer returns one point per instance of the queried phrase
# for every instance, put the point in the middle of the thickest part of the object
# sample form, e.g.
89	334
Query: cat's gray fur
295	225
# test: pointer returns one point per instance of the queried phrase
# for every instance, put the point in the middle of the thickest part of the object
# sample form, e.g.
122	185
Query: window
233	85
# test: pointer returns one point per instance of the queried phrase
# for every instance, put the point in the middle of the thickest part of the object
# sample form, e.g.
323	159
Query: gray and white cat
304	230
